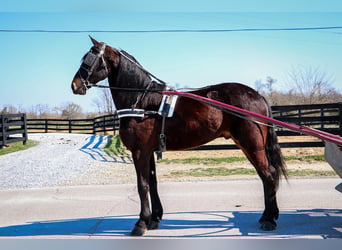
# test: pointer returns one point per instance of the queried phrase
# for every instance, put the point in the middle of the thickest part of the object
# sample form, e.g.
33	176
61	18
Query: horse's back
236	94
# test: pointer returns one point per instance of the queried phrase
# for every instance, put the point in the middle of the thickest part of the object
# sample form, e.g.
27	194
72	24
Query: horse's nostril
75	88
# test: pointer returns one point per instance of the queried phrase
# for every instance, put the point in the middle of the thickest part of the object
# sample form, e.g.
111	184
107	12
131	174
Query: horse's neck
128	76
125	99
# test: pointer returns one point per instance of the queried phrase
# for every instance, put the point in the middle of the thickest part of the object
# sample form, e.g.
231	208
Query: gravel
78	159
59	159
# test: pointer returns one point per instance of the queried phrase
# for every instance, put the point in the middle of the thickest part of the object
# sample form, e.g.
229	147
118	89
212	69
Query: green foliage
218	171
215	161
222	171
17	146
115	146
204	161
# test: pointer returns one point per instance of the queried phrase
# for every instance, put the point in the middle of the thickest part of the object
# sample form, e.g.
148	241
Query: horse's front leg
157	209
142	167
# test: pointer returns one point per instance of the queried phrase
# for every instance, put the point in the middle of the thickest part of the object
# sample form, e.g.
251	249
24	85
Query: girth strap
162	139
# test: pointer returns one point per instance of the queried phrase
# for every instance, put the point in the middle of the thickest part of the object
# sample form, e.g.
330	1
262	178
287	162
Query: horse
192	124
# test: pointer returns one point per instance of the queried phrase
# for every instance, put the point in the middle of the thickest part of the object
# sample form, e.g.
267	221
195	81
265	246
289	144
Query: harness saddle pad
167	105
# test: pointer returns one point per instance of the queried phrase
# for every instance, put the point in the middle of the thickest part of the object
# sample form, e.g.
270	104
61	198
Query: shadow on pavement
325	223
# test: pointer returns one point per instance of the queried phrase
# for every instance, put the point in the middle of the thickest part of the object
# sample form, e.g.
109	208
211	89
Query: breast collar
166	108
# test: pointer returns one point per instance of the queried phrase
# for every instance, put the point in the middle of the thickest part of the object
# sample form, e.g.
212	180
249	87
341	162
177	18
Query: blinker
90	59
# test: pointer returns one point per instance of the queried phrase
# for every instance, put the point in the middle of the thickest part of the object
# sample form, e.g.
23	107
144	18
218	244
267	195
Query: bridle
89	63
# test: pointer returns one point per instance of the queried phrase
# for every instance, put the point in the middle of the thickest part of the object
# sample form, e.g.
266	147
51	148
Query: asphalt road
310	208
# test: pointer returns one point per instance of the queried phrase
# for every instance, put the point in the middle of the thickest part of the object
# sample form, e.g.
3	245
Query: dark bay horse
192	124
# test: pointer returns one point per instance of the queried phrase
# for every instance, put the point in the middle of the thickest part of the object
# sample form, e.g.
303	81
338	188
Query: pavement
310	209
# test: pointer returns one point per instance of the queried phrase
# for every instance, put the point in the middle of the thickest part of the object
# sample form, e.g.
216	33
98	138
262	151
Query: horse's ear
94	41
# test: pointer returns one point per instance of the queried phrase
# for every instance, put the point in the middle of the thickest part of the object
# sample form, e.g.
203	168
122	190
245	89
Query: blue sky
37	68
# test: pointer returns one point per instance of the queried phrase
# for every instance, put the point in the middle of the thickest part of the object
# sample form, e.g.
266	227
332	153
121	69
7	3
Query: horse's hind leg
269	177
157	209
253	145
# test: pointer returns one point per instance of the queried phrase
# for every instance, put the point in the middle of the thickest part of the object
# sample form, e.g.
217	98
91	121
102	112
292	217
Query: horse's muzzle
78	88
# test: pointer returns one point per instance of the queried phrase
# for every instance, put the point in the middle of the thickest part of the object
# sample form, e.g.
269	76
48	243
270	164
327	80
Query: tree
306	85
311	85
267	89
9	109
104	102
71	111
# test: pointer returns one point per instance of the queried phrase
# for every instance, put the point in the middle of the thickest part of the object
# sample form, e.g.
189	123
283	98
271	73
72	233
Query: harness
167	104
89	64
166	109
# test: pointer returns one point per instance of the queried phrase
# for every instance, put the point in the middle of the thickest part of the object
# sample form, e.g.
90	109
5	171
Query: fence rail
12	128
325	117
102	124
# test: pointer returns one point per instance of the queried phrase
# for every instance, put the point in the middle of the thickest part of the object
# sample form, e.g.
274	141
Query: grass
17	146
217	171
222	171
217	160
204	161
115	146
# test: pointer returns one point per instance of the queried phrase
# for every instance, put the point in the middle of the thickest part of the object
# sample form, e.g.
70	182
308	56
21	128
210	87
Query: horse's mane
129	75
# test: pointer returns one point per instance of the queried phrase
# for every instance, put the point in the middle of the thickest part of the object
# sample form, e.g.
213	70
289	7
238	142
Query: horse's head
95	67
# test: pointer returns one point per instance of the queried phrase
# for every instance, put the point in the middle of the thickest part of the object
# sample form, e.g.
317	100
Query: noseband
89	63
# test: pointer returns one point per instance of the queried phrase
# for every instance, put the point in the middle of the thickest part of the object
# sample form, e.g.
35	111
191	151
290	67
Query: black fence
325	117
12	129
99	125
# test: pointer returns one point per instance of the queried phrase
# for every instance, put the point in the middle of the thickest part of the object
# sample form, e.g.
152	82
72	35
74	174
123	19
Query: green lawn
17	146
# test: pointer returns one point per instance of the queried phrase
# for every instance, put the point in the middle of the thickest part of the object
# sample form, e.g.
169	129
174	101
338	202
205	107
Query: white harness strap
130	113
166	108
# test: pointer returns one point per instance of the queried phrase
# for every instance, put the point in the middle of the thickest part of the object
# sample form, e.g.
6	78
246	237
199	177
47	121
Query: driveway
67	187
310	208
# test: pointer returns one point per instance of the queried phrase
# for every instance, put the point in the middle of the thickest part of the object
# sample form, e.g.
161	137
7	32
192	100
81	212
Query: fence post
2	138
25	129
104	124
340	113
322	117
46	125
114	121
94	124
300	115
70	126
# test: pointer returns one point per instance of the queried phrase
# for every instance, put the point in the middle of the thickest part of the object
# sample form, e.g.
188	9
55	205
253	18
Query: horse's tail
273	152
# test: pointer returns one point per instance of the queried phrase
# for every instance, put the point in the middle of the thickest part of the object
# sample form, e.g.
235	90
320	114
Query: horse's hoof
153	225
268	226
138	231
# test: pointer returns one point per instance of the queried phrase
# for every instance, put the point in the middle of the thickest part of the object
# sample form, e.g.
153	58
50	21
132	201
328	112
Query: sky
37	67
